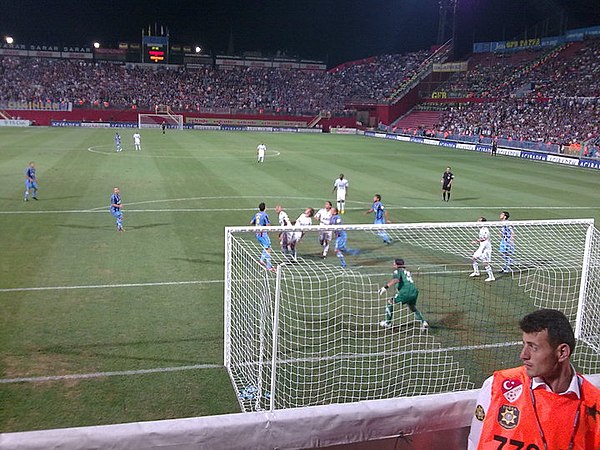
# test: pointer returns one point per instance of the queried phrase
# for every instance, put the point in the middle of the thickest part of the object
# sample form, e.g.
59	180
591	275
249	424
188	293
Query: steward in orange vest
520	417
543	404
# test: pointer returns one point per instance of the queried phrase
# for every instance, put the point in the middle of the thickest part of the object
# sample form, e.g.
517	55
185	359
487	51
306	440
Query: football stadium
208	249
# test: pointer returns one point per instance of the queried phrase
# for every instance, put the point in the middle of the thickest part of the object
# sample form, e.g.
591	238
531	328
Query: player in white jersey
137	141
324	217
285	237
483	252
341	186
303	219
260	153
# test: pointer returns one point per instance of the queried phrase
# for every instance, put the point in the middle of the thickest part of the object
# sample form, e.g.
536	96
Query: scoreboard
155	49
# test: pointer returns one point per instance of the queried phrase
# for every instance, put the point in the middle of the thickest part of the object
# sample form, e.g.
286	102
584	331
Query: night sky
330	30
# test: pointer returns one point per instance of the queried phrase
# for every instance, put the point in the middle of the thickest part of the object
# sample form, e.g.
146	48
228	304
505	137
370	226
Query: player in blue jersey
407	294
507	244
261	219
381	216
118	142
30	182
115	208
341	238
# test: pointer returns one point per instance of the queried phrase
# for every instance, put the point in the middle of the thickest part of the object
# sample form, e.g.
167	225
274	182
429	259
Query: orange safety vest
510	422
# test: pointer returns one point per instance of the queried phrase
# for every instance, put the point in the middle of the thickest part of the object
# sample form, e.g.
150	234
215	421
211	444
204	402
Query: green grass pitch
127	309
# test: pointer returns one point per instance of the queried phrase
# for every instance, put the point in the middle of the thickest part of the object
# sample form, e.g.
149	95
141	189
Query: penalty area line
83	376
109	286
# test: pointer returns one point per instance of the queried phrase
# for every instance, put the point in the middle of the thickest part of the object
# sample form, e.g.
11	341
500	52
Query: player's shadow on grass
464	198
20	199
150	225
308	256
63	198
83	227
217	259
100	227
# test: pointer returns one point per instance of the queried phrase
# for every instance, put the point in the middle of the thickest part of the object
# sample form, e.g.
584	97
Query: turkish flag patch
512	389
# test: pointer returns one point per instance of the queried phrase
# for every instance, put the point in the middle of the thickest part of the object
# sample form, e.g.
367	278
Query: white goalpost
163	114
309	334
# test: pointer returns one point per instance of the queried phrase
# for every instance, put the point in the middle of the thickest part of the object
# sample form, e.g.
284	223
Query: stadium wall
535	155
439	421
44	118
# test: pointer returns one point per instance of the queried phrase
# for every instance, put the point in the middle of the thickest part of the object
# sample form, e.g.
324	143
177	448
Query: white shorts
325	236
484	254
296	236
341	195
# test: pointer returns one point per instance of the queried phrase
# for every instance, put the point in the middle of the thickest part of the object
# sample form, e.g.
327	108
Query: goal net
309	332
156	120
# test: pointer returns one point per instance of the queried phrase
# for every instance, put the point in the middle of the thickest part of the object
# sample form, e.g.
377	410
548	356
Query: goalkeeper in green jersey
407	294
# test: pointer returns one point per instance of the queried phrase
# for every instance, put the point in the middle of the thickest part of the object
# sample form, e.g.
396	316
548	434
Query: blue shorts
117	213
340	243
505	247
30	184
264	240
379	221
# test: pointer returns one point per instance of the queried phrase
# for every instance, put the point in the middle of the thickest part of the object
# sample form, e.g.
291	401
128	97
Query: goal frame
415	227
172	120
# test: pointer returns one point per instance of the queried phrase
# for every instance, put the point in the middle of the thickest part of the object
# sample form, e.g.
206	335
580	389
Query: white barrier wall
428	422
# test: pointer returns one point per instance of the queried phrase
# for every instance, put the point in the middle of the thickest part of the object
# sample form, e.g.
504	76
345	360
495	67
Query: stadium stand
537	99
544	100
418	120
99	84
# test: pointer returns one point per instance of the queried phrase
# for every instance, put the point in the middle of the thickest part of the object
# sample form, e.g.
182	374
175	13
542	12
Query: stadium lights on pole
9	40
454	27
96	44
198	49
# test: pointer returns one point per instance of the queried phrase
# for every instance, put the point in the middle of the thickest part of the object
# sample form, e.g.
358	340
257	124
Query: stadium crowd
543	98
559	120
550	97
121	86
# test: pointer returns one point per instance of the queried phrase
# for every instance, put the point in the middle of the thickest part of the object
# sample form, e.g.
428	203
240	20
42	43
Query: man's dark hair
558	326
262	206
378	197
506	214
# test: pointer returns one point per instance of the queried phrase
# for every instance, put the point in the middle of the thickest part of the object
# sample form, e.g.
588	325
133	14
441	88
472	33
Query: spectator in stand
531	95
241	88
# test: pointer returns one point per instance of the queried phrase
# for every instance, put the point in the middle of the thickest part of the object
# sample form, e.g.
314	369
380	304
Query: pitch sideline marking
109	286
190	282
83	376
138	153
243	197
103	209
